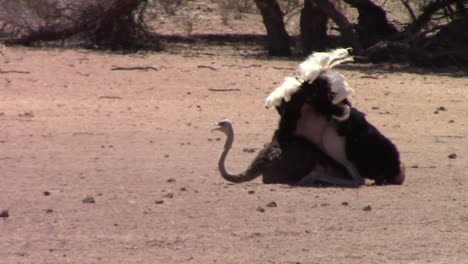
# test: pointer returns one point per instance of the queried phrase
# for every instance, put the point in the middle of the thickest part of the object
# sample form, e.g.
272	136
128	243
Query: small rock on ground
89	199
4	213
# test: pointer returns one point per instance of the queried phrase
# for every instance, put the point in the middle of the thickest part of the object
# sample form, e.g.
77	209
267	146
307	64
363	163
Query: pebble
453	156
4	213
89	199
169	195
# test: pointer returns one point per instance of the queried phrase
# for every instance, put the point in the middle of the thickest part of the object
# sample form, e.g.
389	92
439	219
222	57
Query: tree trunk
372	25
278	38
345	27
313	25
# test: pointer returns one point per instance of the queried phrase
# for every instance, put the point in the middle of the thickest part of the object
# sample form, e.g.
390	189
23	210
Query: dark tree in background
313	18
313	26
345	27
278	38
372	25
436	35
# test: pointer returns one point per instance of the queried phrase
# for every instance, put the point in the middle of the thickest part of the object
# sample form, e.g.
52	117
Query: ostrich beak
217	127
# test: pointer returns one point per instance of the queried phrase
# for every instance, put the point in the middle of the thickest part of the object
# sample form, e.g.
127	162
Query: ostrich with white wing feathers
316	107
320	135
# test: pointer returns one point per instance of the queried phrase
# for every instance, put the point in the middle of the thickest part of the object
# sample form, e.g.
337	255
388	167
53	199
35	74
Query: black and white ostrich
320	138
314	106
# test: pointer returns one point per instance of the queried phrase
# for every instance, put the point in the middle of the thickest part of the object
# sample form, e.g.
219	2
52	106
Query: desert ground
110	158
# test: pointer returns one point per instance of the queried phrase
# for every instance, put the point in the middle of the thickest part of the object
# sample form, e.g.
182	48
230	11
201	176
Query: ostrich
314	106
321	138
291	158
295	162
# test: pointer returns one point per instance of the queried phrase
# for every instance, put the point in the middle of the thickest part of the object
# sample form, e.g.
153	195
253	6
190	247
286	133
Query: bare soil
132	133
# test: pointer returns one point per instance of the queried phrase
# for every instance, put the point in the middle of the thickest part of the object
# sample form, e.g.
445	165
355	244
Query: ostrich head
224	126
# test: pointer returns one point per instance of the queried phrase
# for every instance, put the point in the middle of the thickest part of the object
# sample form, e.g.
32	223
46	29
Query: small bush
114	24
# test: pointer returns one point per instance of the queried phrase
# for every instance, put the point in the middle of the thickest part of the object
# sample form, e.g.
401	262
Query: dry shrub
169	6
19	18
233	8
115	24
125	28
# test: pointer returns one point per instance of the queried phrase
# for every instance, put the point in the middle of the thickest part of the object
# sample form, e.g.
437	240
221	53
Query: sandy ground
73	124
132	132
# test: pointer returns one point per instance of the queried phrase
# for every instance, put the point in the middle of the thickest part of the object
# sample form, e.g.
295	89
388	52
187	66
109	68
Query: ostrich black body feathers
373	155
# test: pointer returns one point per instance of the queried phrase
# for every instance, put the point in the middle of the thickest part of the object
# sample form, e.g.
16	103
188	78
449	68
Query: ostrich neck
222	158
251	173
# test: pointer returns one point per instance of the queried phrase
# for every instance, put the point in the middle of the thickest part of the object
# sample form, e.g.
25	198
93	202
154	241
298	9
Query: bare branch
428	11
407	5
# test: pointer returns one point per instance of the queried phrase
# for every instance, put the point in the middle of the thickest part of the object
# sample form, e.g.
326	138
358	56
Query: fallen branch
13	71
109	97
145	68
370	77
87	134
223	90
207	67
241	66
283	68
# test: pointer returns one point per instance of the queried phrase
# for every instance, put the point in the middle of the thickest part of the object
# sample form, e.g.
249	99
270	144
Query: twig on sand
13	71
370	77
207	67
109	97
138	68
223	90
242	66
283	68
87	134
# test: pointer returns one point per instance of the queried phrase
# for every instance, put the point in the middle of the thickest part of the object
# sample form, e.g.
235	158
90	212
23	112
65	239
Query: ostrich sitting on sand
295	161
292	157
320	133
314	106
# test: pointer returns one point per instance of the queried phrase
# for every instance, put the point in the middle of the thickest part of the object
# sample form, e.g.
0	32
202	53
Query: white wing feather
309	70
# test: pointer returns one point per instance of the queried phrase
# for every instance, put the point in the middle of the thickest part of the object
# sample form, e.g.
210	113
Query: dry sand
73	124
